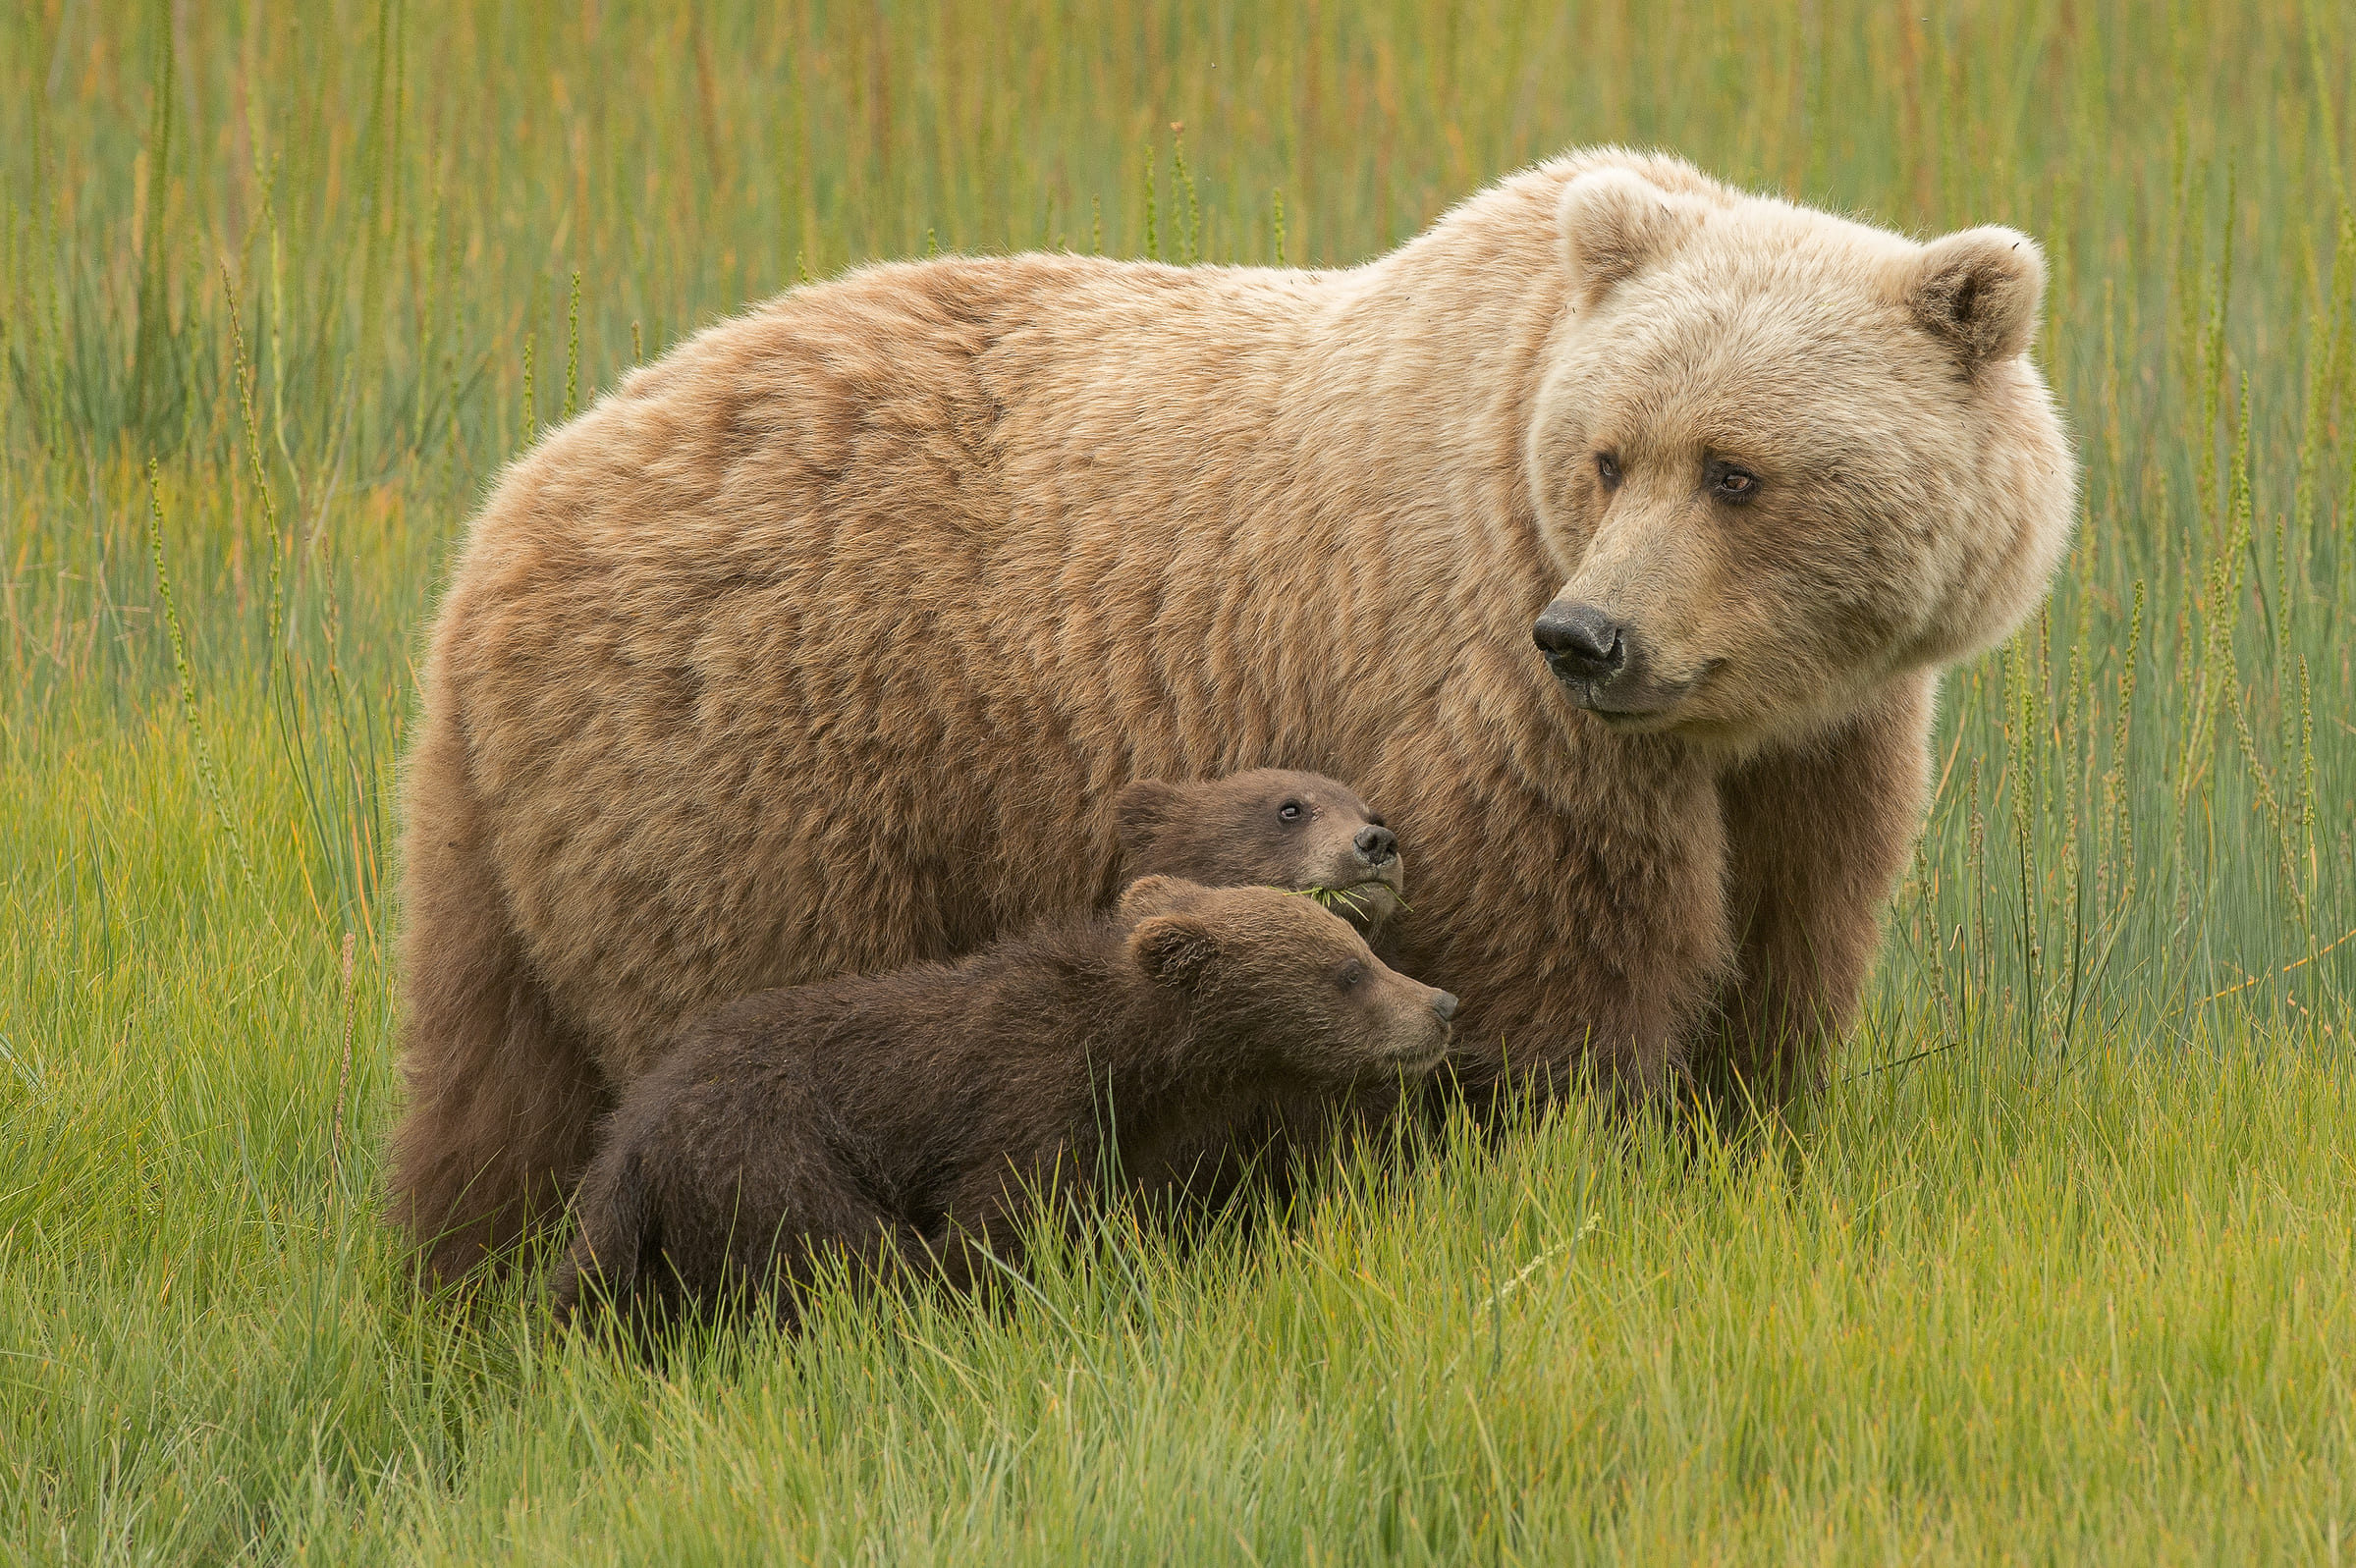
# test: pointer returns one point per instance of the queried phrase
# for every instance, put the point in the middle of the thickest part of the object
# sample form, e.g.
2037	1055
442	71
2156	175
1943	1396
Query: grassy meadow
2063	1268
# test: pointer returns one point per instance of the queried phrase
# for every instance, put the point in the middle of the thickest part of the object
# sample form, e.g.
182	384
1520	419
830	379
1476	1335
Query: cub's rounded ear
1175	951
1612	223
1154	895
1142	807
1978	292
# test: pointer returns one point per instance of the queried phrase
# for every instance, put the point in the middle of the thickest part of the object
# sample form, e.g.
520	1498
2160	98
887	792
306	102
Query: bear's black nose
1443	1002
1581	642
1376	845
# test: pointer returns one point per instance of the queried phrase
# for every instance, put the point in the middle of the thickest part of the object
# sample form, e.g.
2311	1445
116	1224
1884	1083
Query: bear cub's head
1270	827
1285	982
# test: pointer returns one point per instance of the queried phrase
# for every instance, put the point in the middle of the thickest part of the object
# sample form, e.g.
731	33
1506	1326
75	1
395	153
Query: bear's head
1782	459
1273	827
1279	981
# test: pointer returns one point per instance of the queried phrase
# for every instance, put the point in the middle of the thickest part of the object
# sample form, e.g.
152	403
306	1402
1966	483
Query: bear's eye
1607	468
1350	975
1289	811
1729	483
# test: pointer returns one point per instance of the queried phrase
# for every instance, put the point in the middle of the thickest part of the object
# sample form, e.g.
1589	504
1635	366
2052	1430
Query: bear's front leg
1817	836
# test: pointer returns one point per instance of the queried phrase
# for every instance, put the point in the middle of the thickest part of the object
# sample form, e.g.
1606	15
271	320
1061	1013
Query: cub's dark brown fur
1289	829
908	1114
1276	825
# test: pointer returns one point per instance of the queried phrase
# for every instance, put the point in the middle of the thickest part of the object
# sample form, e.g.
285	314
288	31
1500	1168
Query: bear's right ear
1175	951
1612	223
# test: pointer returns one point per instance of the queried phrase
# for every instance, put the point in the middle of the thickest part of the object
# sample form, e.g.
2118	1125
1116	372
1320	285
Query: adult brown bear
825	644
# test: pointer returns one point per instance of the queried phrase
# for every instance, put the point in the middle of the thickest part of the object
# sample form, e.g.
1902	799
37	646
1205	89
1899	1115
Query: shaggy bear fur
824	644
918	1113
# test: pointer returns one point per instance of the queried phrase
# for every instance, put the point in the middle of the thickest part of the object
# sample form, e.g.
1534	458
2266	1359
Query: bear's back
805	591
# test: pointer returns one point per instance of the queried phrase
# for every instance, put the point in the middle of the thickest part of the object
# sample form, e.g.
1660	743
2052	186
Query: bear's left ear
1158	896
1140	808
1613	224
1175	951
1978	292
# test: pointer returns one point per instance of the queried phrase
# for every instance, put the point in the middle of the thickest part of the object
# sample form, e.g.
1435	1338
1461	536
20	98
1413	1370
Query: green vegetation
2060	1270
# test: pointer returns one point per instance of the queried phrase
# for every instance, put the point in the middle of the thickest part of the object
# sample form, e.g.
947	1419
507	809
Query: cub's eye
1289	811
1607	468
1729	483
1348	976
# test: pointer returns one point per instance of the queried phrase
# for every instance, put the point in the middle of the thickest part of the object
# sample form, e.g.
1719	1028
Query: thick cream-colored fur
825	644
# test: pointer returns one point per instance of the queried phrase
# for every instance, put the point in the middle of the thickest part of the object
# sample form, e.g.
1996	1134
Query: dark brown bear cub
1272	825
1287	829
910	1112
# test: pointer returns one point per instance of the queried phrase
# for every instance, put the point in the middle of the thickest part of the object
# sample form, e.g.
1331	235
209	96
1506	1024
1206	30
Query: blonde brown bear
827	643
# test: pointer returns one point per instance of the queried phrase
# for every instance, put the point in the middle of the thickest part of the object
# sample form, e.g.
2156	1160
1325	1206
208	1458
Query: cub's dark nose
1376	845
1444	1005
1580	642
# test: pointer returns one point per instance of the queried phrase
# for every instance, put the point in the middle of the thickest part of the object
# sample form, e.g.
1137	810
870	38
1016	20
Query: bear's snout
1581	643
1608	666
1443	1002
1376	846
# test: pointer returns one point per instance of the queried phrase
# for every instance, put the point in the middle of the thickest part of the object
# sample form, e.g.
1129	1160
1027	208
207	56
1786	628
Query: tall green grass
2059	1269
